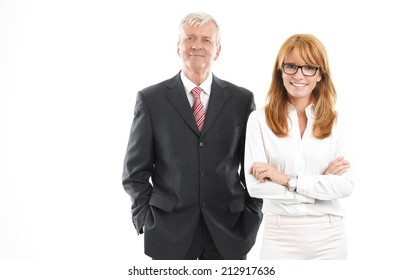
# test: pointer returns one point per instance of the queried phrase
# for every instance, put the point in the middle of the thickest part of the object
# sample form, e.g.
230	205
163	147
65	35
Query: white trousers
304	238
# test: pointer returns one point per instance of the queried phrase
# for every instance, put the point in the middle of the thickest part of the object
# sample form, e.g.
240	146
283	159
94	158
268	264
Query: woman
299	157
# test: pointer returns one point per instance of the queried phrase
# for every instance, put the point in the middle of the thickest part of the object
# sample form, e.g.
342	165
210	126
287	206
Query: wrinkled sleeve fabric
328	187
138	163
254	203
255	152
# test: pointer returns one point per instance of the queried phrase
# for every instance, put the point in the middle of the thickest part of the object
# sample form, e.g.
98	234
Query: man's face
198	48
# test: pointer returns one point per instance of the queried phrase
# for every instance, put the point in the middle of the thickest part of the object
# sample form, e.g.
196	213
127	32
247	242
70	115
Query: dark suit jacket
192	173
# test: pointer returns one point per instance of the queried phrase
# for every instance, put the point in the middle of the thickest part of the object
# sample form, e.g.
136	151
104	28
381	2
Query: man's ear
217	53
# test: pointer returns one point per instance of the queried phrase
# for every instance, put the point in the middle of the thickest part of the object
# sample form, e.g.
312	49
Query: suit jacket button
203	174
203	204
202	144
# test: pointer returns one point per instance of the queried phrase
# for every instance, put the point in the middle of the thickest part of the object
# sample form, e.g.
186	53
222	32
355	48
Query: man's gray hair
197	19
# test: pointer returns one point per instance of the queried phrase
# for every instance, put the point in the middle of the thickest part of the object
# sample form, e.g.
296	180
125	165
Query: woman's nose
299	74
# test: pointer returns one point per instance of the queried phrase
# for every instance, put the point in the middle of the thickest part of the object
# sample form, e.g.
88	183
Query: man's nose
196	45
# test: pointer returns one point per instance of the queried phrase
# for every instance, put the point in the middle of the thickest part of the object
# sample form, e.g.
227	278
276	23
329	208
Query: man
188	136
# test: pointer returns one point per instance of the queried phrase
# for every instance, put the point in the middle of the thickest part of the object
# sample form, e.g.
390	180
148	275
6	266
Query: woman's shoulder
342	121
341	117
258	114
259	111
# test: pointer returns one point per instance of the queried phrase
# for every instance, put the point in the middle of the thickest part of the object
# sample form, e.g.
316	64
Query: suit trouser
304	238
203	246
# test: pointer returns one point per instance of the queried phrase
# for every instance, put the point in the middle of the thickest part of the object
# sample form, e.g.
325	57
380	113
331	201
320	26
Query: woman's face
298	85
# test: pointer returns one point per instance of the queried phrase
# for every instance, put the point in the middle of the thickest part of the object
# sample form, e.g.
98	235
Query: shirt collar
309	109
189	85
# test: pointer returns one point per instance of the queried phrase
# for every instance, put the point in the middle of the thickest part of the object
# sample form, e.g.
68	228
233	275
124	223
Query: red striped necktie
198	108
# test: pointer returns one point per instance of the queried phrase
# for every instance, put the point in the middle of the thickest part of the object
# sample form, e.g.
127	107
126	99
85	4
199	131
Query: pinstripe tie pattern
198	108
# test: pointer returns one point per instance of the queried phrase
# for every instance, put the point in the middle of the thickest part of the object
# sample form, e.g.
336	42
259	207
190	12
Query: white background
69	74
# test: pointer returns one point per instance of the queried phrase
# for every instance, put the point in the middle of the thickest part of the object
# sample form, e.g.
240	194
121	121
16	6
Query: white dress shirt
205	86
304	157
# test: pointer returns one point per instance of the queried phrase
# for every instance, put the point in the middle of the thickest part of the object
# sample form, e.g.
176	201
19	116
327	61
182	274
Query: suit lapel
177	97
216	101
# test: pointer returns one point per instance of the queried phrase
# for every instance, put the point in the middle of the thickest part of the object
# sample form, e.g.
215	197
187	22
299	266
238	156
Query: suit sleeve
138	163
254	204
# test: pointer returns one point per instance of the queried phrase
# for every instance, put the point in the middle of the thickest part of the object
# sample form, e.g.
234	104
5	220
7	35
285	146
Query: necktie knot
196	91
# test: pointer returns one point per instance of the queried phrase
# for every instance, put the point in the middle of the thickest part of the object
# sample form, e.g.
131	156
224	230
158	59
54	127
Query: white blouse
307	158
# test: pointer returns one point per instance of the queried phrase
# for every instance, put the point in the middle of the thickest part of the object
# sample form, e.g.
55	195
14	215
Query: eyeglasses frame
300	67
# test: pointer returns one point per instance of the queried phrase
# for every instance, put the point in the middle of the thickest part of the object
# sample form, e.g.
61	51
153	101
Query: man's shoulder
232	87
161	86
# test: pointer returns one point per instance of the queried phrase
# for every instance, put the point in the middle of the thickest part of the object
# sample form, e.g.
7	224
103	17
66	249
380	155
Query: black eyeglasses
292	69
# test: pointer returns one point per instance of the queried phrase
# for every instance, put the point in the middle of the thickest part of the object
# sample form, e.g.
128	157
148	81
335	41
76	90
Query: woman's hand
262	171
337	167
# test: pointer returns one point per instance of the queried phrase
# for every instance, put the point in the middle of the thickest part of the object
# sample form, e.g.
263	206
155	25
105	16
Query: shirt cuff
305	185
